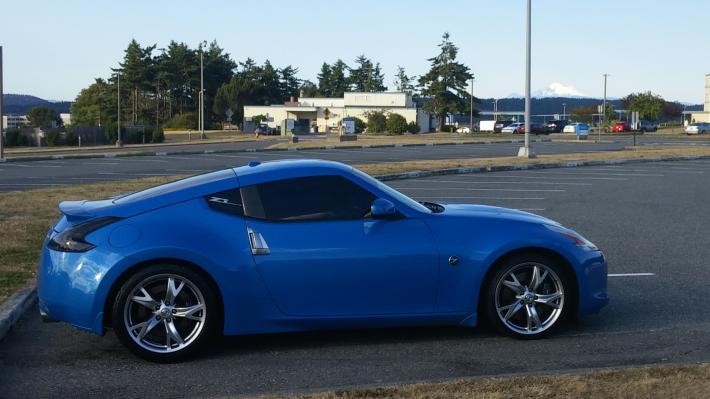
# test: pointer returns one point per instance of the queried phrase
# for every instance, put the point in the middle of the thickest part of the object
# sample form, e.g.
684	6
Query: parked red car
620	127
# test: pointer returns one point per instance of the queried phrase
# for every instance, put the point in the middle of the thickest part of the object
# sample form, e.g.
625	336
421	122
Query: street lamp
603	121
564	111
526	151
119	142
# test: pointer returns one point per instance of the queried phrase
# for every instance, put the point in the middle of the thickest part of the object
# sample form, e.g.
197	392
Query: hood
132	204
494	212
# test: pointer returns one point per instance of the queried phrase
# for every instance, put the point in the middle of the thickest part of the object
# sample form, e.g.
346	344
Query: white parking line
576	173
482	189
487	198
631	274
555	177
507	182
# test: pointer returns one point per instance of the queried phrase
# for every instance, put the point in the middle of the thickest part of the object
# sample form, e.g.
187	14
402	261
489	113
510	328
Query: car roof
257	172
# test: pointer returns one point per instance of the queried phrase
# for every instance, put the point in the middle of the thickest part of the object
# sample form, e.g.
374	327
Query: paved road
649	218
37	174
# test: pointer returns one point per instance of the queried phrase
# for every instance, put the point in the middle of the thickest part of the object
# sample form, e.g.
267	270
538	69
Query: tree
308	89
324	81
402	82
648	105
290	84
584	114
446	82
338	80
43	117
366	76
95	105
136	73
672	110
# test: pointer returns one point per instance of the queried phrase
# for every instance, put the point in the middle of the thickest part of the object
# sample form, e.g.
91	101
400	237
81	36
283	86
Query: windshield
392	192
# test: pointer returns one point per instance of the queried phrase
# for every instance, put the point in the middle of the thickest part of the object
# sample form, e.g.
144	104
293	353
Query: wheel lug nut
157	317
174	311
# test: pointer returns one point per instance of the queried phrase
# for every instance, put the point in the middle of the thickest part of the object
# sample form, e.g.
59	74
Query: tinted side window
307	198
229	201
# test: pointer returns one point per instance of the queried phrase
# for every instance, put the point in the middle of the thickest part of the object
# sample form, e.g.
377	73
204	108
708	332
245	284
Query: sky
53	49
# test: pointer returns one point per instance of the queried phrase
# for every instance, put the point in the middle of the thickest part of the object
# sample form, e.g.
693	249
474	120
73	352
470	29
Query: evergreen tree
403	82
324	81
446	83
290	84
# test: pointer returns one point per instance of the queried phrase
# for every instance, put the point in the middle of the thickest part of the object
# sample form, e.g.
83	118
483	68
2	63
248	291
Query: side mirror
383	209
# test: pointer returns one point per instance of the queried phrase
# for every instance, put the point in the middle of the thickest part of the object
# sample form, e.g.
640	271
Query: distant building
66	118
704	115
14	121
327	113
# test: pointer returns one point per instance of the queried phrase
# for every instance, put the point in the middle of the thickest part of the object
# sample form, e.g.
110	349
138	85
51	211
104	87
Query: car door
319	255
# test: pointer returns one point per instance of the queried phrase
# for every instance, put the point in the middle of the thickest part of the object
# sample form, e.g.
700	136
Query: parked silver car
697	128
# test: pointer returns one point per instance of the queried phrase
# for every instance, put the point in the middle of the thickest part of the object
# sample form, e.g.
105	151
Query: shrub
158	135
448	128
360	125
187	120
71	138
396	124
14	138
51	137
413	127
376	122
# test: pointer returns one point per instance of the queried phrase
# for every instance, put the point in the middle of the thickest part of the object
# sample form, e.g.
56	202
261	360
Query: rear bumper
66	288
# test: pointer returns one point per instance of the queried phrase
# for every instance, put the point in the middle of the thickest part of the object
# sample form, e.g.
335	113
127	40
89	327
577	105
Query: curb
14	307
324	147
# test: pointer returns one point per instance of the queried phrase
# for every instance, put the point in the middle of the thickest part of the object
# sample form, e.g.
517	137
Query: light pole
202	97
471	119
119	142
526	151
2	149
603	122
564	111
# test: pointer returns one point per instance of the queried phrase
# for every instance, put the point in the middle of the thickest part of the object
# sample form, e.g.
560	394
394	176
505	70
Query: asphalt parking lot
651	219
37	174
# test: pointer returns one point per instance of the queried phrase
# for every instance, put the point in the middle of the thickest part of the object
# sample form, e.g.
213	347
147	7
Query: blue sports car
302	245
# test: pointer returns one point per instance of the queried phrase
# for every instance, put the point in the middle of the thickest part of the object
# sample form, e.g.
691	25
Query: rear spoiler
75	210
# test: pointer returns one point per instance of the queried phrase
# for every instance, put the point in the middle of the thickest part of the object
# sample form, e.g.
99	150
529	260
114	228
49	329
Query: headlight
573	236
72	239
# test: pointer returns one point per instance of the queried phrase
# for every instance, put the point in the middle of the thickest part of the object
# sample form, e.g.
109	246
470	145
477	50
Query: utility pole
526	151
119	142
202	97
603	123
157	103
564	111
2	148
471	120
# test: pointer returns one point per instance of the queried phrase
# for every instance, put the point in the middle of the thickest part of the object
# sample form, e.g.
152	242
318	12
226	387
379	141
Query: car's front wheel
164	313
528	296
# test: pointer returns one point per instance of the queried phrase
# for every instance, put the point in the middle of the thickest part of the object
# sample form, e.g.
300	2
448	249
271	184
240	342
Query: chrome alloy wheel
529	298
165	313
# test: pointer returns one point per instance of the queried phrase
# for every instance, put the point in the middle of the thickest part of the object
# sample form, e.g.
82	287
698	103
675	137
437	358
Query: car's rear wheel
164	313
528	296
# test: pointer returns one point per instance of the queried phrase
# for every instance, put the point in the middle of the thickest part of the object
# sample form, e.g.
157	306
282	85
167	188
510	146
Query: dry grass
640	153
25	216
687	382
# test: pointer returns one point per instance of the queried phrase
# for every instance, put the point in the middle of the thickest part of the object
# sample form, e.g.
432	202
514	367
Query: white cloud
557	89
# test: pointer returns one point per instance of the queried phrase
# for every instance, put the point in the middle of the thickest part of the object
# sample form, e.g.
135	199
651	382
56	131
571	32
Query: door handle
257	243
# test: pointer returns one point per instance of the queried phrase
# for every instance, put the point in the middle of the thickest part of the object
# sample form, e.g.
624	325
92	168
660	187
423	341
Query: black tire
192	291
551	318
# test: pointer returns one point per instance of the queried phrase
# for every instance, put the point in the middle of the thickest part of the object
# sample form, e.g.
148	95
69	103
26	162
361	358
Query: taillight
72	239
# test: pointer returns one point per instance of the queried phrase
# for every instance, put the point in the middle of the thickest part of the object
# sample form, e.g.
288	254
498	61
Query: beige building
701	116
14	121
313	111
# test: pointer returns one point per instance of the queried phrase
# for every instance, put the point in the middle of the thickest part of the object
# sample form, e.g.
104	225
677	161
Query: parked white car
512	128
580	129
697	128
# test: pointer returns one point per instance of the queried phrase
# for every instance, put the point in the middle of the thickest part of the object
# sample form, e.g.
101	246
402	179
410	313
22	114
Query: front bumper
592	281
